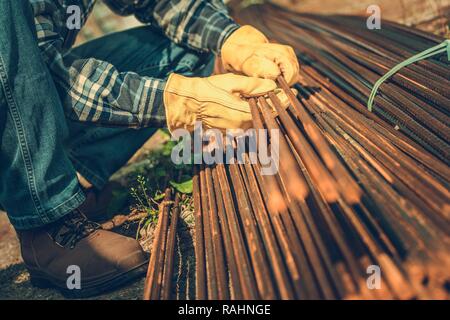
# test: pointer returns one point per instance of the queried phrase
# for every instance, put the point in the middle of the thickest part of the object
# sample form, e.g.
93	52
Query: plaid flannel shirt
95	91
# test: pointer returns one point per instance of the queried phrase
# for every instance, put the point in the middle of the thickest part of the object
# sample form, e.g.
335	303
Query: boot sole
46	282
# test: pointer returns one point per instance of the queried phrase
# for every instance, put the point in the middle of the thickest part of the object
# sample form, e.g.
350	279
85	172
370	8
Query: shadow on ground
15	284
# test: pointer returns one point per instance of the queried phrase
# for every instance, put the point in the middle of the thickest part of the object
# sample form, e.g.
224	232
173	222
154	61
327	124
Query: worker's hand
247	51
216	101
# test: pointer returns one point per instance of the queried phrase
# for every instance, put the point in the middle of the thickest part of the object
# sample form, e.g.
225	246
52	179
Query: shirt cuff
152	101
219	31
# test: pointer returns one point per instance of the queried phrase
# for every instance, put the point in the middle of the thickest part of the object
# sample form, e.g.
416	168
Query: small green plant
145	202
152	175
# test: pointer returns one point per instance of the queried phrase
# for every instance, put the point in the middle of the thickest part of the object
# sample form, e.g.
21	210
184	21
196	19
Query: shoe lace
72	228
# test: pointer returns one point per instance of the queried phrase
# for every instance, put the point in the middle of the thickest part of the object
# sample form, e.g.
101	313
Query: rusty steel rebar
154	277
353	188
166	287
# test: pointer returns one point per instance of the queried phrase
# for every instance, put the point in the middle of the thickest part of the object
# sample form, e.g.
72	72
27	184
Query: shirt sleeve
95	91
197	24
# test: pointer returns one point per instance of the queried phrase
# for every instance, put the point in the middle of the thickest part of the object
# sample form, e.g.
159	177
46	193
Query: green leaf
183	187
158	196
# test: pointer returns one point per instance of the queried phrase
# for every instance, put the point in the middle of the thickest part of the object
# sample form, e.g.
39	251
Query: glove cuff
246	35
176	116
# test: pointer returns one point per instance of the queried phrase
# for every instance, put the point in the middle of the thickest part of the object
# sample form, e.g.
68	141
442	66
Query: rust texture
353	189
158	283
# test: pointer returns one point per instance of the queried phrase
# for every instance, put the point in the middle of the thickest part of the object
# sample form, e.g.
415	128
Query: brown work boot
105	259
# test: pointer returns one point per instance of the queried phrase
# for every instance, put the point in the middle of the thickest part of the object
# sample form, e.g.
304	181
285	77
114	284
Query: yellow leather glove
247	51
216	100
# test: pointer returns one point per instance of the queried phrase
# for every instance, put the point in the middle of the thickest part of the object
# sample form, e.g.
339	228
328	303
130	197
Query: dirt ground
427	15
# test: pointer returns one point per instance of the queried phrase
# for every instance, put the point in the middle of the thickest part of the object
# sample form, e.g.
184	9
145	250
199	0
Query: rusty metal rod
200	268
211	277
219	263
166	287
351	190
154	272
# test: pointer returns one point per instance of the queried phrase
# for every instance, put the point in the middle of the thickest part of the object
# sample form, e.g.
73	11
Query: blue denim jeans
41	149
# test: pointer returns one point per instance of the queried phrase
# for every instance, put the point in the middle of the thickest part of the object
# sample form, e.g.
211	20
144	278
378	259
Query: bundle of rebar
158	283
340	54
357	194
